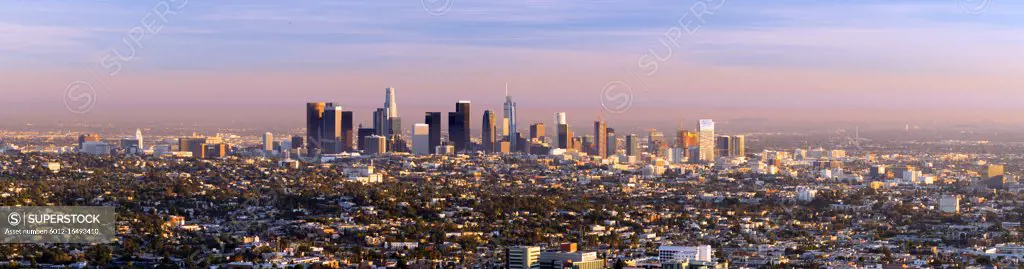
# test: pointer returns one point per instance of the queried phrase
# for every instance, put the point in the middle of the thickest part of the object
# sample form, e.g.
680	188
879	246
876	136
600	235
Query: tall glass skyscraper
706	138
433	120
509	121
459	126
488	135
391	119
315	126
600	147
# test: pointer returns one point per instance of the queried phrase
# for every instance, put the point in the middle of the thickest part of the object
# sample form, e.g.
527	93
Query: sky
259	61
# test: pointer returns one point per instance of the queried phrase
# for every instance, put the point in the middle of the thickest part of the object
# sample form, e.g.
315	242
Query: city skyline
533	134
798	60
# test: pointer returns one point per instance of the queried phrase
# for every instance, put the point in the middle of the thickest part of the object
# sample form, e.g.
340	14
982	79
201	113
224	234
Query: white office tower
268	142
805	194
668	254
523	257
138	137
706	140
559	120
421	139
950	204
389	103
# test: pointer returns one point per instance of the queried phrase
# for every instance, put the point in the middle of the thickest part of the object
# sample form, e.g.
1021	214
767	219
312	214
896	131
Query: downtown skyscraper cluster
330	130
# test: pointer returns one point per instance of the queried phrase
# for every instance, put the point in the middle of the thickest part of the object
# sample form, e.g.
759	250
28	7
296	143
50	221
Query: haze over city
256	62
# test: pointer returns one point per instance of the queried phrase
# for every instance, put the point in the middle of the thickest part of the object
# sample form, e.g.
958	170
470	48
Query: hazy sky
260	60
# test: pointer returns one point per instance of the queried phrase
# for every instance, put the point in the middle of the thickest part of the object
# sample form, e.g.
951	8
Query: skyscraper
632	145
564	137
706	137
459	126
389	102
738	148
314	127
348	135
488	134
268	142
361	136
613	143
376	144
600	138
686	140
509	121
138	137
380	122
433	119
390	119
558	141
87	138
537	131
723	146
421	139
656	143
330	139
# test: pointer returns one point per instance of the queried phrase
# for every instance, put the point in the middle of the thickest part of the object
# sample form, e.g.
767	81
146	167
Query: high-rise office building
995	170
421	139
564	137
488	134
995	176
433	119
459	126
213	151
522	257
362	134
348	135
315	126
559	120
82	139
192	144
706	138
632	145
600	146
537	131
376	144
722	146
380	122
656	145
509	120
686	140
330	139
738	148
268	142
613	142
138	137
389	102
